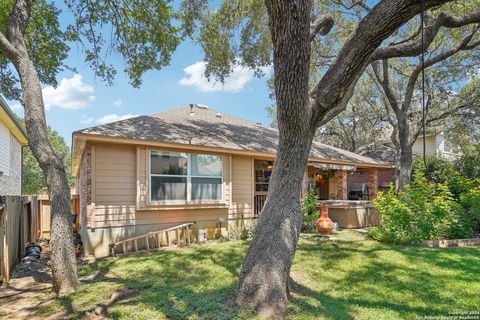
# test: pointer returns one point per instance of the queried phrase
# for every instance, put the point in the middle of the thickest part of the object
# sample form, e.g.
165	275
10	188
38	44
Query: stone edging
450	243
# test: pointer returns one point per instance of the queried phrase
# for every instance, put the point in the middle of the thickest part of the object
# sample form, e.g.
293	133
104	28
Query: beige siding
114	186
121	204
242	187
431	146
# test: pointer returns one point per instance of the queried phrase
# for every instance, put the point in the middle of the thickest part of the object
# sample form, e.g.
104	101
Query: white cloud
118	102
195	77
16	106
114	117
86	119
71	93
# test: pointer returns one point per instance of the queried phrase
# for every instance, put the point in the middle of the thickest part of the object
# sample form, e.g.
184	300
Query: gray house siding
11	180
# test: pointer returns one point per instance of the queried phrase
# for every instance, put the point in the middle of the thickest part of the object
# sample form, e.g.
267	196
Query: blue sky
82	101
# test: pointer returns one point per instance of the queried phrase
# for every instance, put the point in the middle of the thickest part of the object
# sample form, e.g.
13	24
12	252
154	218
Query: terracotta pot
324	223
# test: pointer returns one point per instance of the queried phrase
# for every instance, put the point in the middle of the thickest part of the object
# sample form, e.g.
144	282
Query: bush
469	163
424	211
309	203
308	222
310	213
470	201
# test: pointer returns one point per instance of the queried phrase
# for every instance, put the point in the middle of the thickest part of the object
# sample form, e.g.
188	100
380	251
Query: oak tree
451	44
33	48
237	33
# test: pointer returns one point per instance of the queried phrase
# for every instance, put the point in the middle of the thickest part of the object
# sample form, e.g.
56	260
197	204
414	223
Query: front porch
349	203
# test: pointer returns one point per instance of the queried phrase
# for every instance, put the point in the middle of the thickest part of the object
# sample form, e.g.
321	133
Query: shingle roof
210	128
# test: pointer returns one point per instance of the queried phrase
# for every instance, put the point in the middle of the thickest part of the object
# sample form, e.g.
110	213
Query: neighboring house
190	164
436	144
12	138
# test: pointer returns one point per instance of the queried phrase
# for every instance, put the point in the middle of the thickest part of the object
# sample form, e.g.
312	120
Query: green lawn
347	279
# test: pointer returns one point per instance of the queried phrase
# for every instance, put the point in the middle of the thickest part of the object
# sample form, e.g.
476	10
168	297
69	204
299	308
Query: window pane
169	188
168	163
206	165
206	189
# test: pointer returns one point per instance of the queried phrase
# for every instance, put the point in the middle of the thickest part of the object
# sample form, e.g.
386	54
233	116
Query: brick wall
385	176
341	178
372	183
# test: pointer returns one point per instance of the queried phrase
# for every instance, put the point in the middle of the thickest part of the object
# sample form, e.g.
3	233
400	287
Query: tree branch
413	48
445	114
384	80
322	25
384	18
6	47
17	22
360	3
464	45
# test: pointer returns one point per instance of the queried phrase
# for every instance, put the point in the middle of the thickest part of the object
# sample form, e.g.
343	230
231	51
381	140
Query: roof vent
218	115
192	105
259	123
202	106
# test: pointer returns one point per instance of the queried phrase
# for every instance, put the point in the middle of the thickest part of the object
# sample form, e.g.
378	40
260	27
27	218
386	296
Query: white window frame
189	180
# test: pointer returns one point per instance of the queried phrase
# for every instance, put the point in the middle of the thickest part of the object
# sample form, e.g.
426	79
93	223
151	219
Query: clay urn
324	223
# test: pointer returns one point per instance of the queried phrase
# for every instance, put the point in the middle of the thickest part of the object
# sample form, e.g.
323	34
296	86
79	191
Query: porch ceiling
331	166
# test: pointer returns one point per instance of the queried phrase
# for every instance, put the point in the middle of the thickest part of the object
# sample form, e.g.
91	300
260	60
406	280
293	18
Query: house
436	144
12	138
190	164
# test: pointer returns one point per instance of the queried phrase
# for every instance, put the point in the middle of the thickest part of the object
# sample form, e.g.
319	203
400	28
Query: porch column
305	183
372	183
342	188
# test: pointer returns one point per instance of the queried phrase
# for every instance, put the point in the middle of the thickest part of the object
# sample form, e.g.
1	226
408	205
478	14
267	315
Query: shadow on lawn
175	284
377	284
200	282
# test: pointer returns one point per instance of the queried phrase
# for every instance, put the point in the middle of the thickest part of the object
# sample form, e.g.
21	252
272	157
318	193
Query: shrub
309	203
469	163
424	211
310	213
435	169
308	222
470	201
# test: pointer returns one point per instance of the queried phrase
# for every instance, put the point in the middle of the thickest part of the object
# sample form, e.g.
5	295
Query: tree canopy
144	33
33	178
33	48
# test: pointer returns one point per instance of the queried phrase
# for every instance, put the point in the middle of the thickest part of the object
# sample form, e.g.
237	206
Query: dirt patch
29	288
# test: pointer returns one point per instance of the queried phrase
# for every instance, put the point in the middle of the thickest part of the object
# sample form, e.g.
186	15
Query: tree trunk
263	279
404	162
404	166
64	267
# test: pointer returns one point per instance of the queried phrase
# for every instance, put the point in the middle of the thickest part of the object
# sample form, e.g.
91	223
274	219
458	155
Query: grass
345	279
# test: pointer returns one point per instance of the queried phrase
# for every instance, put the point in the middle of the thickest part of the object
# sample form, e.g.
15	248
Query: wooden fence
44	213
22	220
19	225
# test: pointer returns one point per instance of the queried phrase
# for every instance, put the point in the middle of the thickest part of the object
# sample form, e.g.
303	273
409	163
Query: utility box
201	235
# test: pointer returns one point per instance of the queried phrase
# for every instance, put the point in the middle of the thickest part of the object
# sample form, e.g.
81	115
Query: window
185	177
263	171
168	174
